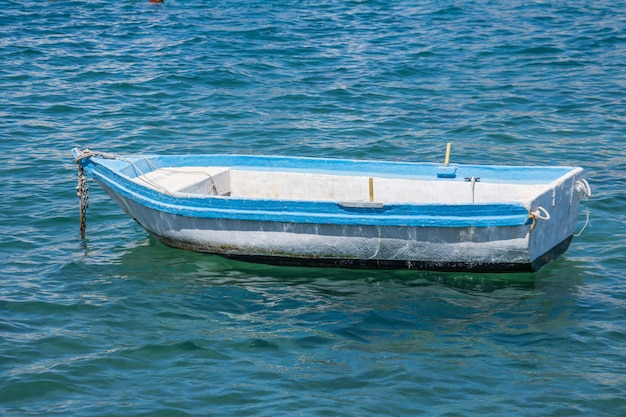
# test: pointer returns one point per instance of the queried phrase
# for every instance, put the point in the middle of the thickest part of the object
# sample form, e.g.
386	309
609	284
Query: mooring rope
584	192
82	189
587	222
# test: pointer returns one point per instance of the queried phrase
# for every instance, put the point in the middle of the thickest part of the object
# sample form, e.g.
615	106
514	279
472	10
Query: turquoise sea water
119	325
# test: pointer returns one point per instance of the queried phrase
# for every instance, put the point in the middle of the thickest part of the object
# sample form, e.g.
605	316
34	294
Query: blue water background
119	325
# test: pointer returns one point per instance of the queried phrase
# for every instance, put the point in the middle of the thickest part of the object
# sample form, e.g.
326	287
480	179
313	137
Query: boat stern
554	216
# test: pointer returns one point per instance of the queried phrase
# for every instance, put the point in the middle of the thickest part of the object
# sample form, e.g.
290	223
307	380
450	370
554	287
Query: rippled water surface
120	325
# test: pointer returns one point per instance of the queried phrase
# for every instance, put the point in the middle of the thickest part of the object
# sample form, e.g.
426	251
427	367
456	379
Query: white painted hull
433	248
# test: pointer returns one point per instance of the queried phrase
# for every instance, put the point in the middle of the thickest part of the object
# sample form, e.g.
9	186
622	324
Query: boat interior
289	185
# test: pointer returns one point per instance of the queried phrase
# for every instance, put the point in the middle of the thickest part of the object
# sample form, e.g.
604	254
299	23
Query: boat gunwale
518	174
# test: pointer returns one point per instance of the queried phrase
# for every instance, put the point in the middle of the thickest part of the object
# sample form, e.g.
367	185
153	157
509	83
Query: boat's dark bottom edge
552	254
439	266
383	264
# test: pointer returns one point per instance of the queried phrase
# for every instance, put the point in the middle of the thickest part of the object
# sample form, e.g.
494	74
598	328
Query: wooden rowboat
347	213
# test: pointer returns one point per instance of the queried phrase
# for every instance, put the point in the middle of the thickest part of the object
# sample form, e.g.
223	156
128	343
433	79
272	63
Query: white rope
213	186
588	215
540	214
88	154
140	175
583	187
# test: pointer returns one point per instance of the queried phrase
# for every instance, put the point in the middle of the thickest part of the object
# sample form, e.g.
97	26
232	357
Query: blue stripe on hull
320	212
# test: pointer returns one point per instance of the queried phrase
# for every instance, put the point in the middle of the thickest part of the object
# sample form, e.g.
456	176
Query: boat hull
477	249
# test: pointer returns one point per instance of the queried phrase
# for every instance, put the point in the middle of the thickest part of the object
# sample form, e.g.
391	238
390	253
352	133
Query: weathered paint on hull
388	264
476	249
441	266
